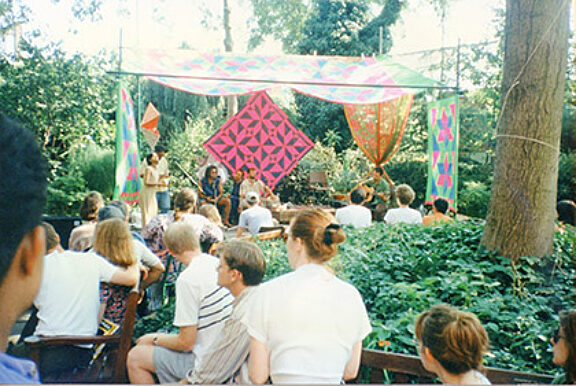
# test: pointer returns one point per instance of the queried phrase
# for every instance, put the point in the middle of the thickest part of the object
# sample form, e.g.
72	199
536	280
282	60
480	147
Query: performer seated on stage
210	192
378	193
253	184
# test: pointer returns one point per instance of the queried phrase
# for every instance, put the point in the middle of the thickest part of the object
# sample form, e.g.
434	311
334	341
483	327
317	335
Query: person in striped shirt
202	307
242	267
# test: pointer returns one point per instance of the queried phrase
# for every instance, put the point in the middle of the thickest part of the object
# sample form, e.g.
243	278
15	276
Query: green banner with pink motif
443	127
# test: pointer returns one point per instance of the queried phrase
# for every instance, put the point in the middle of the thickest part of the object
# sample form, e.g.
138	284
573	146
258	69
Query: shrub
97	167
473	199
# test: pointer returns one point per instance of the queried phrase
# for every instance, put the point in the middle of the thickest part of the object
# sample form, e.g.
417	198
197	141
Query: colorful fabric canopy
348	80
443	126
261	136
378	128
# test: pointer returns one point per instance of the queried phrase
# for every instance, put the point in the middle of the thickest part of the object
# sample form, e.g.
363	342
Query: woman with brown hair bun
452	344
81	236
564	345
307	326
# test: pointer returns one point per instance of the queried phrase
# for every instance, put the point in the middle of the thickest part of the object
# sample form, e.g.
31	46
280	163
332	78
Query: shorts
172	366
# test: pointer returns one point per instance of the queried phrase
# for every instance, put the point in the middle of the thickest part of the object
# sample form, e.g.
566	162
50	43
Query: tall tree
521	213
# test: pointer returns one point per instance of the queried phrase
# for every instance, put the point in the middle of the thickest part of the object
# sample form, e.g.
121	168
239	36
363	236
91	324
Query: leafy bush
97	167
473	199
65	194
567	176
401	271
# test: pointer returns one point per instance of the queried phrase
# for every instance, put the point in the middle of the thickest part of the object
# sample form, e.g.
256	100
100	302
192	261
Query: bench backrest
403	366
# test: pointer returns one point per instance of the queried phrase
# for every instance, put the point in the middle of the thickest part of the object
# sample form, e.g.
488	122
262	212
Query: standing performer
162	192
148	195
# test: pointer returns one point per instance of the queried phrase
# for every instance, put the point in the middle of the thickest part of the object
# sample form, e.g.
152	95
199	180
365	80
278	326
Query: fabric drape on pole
443	136
378	128
127	186
347	80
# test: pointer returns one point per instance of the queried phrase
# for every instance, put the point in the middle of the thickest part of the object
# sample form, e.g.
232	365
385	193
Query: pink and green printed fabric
348	80
127	186
260	136
443	126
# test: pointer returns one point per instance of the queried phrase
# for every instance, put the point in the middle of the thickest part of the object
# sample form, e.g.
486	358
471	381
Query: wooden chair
110	366
318	183
407	368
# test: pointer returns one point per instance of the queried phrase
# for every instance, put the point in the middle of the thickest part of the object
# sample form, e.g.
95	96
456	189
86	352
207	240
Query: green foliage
473	199
97	167
65	194
567	176
401	271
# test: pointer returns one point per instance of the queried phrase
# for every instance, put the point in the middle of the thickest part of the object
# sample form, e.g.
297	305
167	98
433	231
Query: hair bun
328	235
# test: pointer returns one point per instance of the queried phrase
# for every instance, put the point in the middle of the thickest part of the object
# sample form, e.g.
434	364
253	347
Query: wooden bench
110	366
406	368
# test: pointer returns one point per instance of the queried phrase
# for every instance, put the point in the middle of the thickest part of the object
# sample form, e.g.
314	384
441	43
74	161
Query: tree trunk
521	214
228	47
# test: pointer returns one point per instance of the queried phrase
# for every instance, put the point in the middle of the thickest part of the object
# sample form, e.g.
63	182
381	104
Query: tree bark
228	47
522	206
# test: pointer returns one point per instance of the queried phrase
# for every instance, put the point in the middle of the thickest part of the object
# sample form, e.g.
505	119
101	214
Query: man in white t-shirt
201	309
403	214
255	217
69	299
355	214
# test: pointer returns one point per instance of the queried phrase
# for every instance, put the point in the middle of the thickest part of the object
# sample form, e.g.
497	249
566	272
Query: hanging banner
378	128
127	186
260	136
149	126
443	128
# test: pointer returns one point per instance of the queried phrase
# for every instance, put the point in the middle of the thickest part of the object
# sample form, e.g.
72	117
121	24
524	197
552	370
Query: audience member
125	208
113	241
68	301
438	215
564	345
201	309
255	217
82	236
211	192
252	184
404	214
211	213
307	326
452	344
242	267
355	214
22	198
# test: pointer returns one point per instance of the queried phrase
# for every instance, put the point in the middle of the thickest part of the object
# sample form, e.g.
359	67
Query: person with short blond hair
452	344
201	308
403	214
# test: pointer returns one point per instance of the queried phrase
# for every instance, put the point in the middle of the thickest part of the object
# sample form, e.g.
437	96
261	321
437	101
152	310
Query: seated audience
211	213
211	192
113	241
378	193
242	267
255	217
68	301
307	326
201	309
24	177
81	236
452	344
564	345
438	215
404	214
125	209
355	214
252	184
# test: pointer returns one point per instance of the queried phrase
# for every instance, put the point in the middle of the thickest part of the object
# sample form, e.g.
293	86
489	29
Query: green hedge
402	270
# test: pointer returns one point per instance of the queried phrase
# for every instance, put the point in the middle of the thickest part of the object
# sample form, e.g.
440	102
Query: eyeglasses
556	336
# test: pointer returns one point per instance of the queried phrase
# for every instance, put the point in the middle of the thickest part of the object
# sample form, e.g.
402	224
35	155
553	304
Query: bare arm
147	178
153	275
126	276
259	362
351	369
184	341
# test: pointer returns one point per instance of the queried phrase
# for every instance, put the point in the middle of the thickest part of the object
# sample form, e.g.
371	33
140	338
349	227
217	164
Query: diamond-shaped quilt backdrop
443	127
378	128
261	136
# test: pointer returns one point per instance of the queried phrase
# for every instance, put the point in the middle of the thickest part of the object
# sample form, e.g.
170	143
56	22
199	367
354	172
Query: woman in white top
307	326
452	344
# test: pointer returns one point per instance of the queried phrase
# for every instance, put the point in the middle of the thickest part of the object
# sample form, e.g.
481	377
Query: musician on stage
378	193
